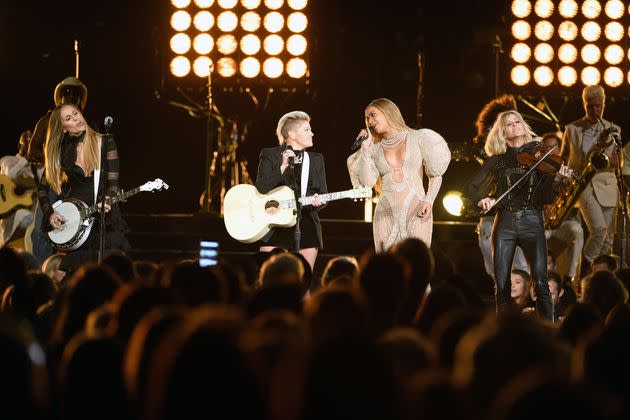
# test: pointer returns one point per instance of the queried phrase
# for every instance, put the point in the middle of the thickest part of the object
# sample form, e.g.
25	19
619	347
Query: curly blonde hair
496	142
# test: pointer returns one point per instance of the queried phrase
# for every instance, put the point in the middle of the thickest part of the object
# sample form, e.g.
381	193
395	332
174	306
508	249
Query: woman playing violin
519	218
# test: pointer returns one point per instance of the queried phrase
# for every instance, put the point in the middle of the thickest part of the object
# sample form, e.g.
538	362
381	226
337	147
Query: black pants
525	228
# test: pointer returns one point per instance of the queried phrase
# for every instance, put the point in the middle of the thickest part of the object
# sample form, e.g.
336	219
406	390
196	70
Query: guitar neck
116	199
306	201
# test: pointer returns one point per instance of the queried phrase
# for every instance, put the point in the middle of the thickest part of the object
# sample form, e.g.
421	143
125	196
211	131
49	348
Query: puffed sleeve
436	157
362	169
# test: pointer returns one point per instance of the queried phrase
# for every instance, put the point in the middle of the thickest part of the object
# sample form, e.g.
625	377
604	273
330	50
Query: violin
550	165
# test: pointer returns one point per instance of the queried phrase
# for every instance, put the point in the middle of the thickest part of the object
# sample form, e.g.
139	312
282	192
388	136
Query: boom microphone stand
622	207
103	182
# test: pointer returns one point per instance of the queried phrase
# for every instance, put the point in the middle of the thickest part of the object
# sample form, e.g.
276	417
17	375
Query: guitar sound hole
272	206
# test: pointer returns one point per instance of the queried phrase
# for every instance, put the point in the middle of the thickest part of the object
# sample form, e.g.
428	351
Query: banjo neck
113	200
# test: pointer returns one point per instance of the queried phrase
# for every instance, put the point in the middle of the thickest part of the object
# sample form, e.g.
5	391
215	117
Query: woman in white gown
400	156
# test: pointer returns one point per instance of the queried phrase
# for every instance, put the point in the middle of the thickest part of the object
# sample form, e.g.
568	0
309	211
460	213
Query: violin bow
520	180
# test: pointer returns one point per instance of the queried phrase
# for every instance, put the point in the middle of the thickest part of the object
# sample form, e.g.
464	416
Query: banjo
79	217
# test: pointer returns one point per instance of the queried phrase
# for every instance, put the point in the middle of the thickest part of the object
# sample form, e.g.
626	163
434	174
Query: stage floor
167	237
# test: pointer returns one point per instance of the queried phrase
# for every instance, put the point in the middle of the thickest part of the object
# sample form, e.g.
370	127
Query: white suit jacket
604	182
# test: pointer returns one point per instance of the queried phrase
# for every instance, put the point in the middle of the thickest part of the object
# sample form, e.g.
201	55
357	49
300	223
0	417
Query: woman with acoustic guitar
72	155
289	164
519	219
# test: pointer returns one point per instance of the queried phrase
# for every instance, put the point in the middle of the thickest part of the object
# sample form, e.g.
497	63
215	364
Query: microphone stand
103	182
623	208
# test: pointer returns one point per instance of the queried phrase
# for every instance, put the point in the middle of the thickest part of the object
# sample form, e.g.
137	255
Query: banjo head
71	213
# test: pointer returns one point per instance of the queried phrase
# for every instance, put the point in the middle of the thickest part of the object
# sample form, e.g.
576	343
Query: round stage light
613	54
226	44
180	20
273	22
180	43
543	53
568	8
613	76
614	9
297	4
590	76
274	4
521	52
296	68
273	67
250	4
226	67
543	8
201	66
203	44
567	53
567	76
591	31
521	30
227	21
250	21
591	9
273	44
544	30
543	76
521	8
296	45
250	44
614	31
250	67
452	203
568	30
180	66
297	22
520	75
227	4
590	54
204	4
180	4
203	21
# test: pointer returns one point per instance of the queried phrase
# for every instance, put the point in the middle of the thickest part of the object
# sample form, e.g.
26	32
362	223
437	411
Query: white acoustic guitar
250	215
79	217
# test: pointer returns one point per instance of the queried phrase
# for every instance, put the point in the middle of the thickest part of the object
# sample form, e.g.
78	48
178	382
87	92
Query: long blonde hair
55	175
496	142
392	115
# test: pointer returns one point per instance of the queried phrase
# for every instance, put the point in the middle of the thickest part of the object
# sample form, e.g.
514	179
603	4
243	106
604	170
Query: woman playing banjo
72	156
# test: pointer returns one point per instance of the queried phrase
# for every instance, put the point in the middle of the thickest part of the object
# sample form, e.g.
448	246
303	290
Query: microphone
357	142
108	123
292	158
614	134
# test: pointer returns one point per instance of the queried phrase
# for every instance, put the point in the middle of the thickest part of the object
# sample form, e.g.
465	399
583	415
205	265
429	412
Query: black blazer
269	177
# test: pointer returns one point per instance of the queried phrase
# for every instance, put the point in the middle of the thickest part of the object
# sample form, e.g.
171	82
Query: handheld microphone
614	134
357	142
292	158
108	123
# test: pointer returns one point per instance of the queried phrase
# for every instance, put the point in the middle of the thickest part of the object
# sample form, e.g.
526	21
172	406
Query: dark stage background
359	51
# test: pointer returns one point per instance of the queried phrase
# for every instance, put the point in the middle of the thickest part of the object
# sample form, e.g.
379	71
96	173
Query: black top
270	177
500	172
80	185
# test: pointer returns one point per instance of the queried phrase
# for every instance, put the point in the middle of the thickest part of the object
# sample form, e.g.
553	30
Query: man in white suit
598	201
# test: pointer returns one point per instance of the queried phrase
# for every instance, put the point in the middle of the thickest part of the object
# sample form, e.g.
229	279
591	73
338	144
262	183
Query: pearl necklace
394	142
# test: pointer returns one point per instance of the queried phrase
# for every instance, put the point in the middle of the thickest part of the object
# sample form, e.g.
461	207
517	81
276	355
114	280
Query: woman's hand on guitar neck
316	202
56	221
107	206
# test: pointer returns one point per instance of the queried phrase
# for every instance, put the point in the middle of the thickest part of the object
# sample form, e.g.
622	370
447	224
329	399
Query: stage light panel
258	40
565	44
